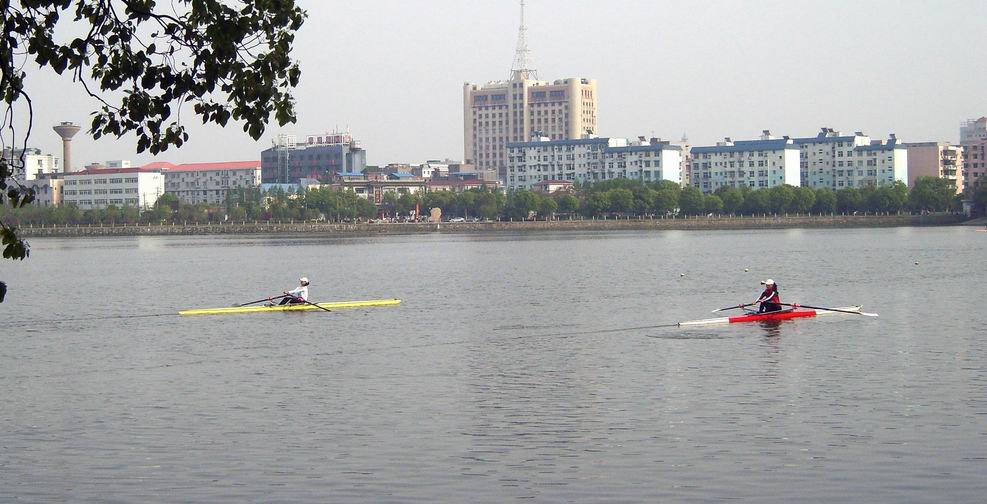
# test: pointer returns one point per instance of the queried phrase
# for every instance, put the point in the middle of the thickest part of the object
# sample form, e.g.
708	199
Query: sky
392	71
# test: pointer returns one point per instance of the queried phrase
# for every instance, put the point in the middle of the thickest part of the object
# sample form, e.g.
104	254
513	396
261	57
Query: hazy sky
392	72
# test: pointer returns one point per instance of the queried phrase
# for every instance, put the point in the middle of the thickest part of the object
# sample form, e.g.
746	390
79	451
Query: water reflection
771	328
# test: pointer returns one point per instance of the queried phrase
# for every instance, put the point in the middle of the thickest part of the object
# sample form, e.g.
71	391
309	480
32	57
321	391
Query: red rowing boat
778	315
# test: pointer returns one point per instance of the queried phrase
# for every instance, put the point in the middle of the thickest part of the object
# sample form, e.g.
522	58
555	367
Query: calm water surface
519	367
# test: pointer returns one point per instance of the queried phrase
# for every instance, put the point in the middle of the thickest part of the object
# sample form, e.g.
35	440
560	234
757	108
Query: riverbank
643	224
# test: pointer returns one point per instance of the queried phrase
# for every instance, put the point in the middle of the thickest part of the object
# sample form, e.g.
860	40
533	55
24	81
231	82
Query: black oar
830	309
260	301
731	307
311	303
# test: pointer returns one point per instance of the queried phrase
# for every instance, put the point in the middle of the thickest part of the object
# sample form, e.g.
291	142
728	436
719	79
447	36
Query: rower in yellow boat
298	295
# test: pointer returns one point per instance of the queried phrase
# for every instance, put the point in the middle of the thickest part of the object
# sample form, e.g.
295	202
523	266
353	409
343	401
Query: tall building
973	138
591	160
935	159
757	164
502	112
319	157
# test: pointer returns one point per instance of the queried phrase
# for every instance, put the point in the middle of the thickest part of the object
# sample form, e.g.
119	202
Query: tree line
612	198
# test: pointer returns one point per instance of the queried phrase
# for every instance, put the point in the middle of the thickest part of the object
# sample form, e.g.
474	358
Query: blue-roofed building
592	160
825	155
757	164
837	161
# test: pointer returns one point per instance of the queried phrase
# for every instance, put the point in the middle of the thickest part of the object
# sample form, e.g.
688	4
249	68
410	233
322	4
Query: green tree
143	62
238	214
644	200
168	200
596	204
490	205
979	198
849	200
522	204
691	201
667	194
825	201
466	203
621	200
757	202
714	205
781	198
733	200
389	203
931	194
407	203
112	214
805	198
568	204
548	208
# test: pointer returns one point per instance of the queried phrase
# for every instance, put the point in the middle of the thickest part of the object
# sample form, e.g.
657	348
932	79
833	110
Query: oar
731	307
259	301
313	304
829	309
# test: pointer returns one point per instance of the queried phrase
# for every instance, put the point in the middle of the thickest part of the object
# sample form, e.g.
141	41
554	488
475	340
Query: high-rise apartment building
515	110
973	138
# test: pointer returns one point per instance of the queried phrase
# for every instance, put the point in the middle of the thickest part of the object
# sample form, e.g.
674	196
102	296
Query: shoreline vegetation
695	223
618	204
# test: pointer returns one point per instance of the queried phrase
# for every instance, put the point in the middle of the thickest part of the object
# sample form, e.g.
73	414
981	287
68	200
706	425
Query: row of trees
610	198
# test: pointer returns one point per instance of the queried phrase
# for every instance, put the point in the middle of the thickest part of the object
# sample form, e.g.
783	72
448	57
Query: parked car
457	219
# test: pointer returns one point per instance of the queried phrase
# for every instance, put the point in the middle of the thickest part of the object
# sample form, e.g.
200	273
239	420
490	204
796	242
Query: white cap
768	282
303	279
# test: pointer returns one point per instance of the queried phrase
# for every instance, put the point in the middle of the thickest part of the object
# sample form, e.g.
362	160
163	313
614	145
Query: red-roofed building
209	182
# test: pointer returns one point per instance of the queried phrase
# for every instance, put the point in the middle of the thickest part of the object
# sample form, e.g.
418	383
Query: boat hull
337	305
763	317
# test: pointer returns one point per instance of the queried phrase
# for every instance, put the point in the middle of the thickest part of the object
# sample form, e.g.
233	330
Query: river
519	366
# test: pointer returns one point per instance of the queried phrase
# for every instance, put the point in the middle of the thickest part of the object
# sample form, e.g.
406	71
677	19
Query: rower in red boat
770	299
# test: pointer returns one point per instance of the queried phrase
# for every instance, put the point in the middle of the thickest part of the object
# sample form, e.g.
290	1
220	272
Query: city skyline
663	69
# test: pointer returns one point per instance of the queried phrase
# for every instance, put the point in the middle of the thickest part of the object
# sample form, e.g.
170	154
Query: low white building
432	169
196	183
838	161
591	160
757	164
136	187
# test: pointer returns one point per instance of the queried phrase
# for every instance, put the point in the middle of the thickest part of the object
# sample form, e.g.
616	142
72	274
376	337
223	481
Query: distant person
770	299
299	295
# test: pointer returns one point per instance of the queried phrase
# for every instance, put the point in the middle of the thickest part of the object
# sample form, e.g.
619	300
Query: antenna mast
522	56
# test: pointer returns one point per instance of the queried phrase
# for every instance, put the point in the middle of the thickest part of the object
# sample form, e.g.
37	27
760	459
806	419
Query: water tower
66	130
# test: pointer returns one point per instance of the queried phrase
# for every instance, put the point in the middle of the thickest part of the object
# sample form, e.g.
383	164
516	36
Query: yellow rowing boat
295	307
